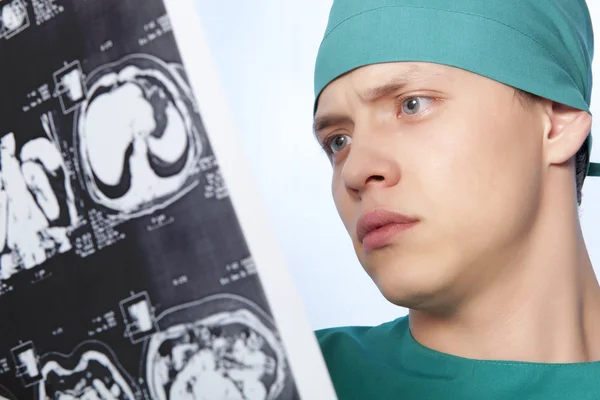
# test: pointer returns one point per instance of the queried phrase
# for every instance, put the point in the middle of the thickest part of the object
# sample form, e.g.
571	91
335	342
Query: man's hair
582	156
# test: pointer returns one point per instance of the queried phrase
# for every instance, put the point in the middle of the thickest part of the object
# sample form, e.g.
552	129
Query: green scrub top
387	363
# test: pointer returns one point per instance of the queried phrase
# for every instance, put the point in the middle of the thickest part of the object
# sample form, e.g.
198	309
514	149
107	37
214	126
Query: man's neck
545	308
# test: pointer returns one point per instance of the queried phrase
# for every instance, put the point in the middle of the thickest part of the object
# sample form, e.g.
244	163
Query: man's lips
376	228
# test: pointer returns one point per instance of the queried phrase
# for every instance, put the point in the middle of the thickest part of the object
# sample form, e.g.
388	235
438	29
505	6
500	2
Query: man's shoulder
359	357
353	343
359	334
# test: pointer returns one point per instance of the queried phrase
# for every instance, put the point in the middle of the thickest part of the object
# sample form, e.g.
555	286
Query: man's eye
415	105
337	143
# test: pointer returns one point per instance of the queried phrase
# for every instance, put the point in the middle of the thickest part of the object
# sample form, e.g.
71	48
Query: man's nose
370	162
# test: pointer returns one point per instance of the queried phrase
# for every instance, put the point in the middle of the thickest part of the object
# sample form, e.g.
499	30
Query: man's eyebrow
396	83
376	93
326	121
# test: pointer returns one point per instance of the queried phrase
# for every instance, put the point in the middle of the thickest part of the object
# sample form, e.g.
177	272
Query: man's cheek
343	204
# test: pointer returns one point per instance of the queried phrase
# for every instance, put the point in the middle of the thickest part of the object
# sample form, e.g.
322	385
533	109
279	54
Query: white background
265	51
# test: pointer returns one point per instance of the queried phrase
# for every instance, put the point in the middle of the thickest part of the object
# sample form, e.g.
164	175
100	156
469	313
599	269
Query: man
457	132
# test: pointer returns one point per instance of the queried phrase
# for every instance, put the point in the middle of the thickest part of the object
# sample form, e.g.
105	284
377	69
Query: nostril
376	178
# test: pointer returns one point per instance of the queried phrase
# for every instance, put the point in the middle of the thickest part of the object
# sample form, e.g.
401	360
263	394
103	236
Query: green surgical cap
544	47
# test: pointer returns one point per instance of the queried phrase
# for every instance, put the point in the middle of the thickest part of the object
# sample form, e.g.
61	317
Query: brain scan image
226	356
87	375
137	138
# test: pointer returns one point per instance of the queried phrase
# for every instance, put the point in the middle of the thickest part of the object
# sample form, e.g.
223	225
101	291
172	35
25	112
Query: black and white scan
155	145
232	352
124	272
91	372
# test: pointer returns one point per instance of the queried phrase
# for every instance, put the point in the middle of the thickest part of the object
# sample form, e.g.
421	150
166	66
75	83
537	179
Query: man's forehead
374	81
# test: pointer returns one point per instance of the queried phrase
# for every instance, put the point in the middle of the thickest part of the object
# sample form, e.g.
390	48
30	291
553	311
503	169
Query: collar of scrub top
594	169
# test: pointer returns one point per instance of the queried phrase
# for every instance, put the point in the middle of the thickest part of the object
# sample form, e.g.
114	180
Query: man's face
459	155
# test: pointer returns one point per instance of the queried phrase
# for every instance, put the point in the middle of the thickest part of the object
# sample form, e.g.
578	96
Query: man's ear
569	127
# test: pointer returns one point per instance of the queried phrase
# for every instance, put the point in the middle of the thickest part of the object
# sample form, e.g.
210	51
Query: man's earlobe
569	127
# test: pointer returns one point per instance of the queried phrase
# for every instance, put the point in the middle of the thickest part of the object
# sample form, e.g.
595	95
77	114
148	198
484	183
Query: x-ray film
135	261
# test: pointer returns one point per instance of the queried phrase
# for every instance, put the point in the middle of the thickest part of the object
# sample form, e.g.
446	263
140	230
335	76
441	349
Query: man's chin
410	299
413	287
